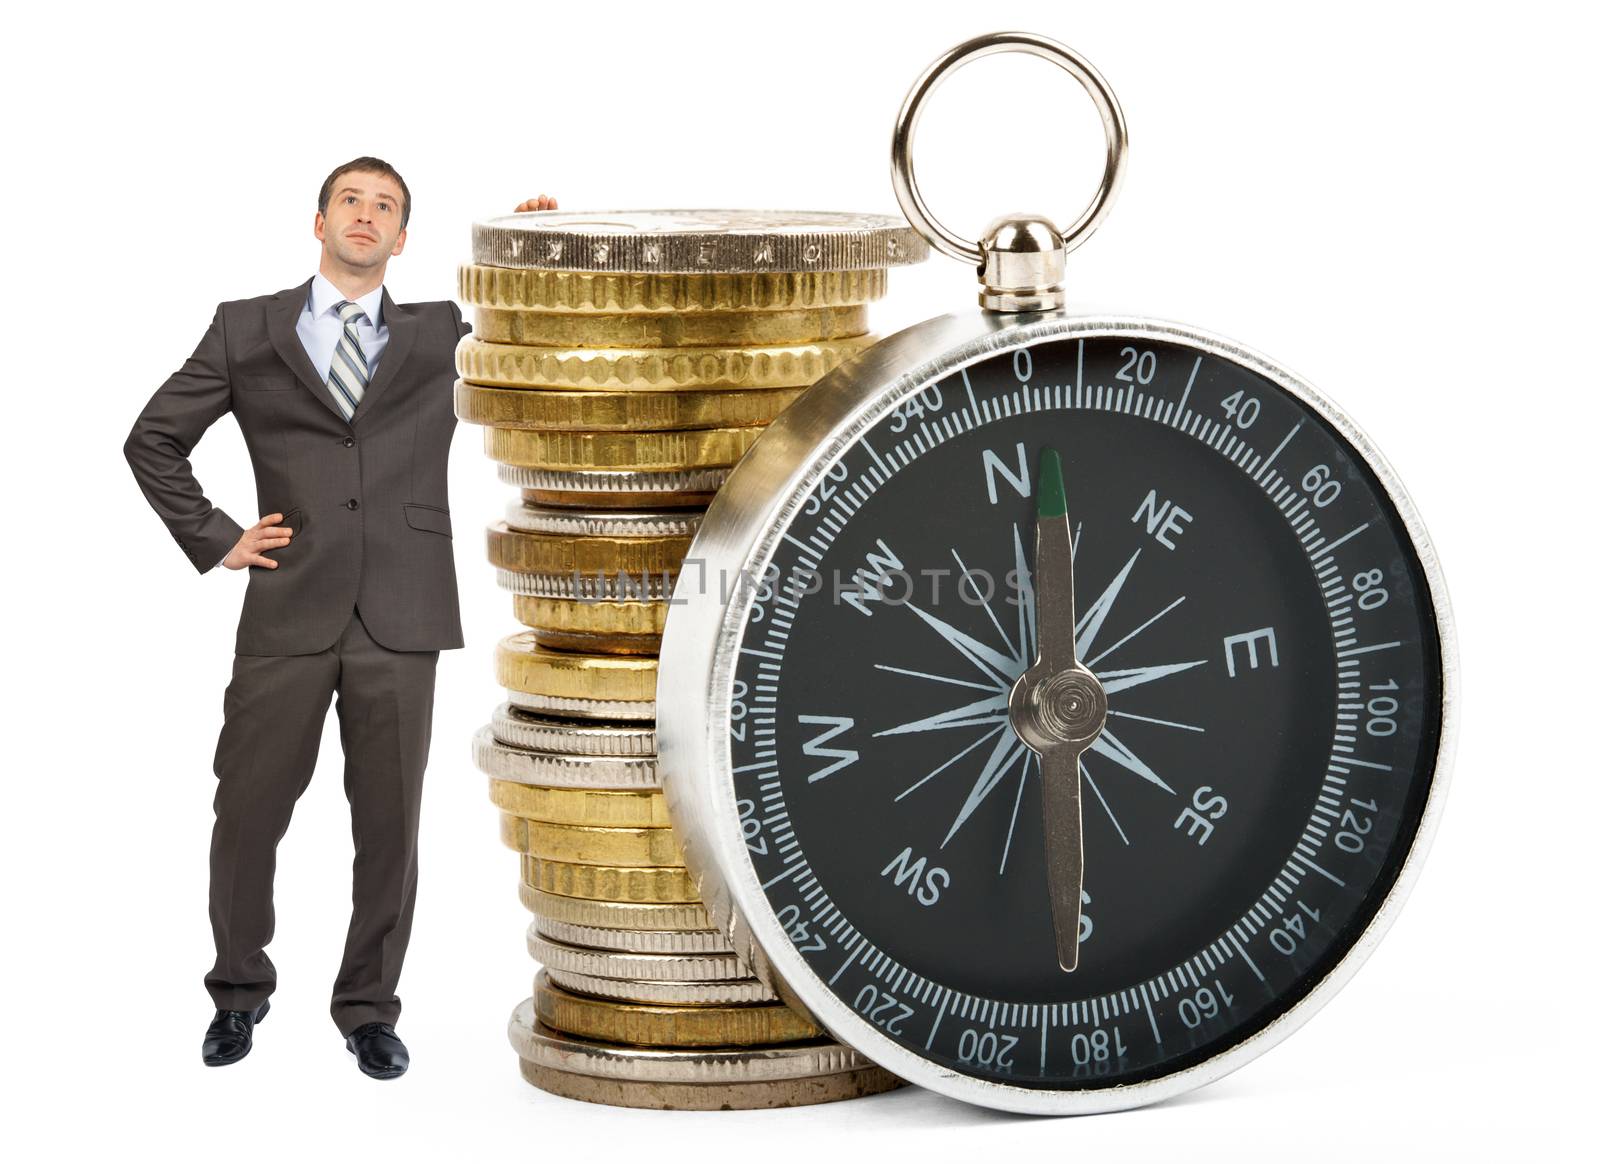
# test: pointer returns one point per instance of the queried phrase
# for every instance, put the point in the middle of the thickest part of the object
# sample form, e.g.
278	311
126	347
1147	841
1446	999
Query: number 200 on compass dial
848	755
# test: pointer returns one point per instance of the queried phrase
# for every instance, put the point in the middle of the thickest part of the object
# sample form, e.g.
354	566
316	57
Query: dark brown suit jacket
366	498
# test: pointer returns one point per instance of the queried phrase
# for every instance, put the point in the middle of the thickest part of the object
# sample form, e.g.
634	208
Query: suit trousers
273	714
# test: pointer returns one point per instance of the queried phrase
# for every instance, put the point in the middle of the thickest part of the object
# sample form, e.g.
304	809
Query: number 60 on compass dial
1248	620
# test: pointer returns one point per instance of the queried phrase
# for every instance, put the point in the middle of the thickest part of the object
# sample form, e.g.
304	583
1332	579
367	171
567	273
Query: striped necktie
347	374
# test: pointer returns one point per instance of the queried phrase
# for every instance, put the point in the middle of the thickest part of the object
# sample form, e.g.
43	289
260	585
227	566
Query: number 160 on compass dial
1079	733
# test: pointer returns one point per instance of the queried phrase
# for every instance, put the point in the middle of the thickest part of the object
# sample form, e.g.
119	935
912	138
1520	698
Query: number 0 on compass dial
1084	716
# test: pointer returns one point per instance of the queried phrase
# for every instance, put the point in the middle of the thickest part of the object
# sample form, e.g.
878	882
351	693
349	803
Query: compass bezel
739	538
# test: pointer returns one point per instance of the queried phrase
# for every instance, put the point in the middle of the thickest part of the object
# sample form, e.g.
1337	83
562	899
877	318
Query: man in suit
344	399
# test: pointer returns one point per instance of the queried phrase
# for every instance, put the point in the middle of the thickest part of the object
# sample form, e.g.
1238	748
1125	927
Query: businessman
344	399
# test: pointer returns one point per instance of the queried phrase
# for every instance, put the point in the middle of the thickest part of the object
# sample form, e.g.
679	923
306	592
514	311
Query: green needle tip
1052	493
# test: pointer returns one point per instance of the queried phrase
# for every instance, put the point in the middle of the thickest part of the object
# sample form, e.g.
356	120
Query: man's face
362	226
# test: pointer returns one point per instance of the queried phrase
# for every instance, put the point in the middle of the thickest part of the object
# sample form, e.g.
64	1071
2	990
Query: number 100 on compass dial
1074	720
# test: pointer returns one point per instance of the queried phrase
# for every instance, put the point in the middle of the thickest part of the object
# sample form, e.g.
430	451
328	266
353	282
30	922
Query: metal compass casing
1057	709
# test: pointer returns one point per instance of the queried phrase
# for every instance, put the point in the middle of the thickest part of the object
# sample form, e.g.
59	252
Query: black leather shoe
378	1050
228	1037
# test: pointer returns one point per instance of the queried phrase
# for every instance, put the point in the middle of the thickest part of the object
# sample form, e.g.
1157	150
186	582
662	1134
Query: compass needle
1063	847
1057	706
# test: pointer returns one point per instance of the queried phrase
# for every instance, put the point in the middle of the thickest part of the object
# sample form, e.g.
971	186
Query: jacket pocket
428	517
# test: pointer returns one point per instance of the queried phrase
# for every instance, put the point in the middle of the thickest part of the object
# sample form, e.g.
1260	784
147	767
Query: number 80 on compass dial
1080	722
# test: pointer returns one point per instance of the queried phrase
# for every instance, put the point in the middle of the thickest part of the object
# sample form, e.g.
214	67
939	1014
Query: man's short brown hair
367	166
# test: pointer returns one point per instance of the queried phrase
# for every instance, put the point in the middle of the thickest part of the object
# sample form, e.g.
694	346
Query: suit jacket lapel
282	313
402	326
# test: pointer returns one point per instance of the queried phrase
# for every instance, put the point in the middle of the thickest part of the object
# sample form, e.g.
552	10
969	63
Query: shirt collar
324	295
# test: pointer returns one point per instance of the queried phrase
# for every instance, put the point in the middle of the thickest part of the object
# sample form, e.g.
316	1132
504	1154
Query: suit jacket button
352	504
348	441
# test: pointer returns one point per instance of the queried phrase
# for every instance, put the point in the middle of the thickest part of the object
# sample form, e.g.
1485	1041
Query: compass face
1256	613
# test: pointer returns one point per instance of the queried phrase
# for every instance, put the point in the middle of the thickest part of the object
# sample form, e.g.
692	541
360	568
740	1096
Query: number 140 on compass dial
1086	717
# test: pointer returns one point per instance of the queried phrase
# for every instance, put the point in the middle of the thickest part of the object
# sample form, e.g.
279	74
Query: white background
1396	201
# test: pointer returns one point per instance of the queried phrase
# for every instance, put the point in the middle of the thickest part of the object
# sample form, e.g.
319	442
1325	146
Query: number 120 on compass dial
1077	722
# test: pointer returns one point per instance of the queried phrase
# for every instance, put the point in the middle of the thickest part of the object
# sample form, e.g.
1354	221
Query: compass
1056	708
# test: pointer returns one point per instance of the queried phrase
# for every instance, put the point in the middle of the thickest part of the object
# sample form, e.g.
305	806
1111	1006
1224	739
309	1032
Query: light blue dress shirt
319	326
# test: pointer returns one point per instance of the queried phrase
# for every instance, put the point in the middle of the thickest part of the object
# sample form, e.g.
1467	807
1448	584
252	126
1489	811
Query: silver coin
633	711
561	770
700	242
542	733
615	523
613	480
621	915
540	1044
617	964
621	587
677	942
650	993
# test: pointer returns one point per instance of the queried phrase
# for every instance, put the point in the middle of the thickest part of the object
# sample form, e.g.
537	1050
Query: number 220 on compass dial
1085	715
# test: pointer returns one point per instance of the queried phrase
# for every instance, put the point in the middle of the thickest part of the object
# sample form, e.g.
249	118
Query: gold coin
577	409
579	499
696	498
581	806
753	1025
590	845
644	330
573	624
594	293
760	1095
602	644
608	882
653	369
522	664
654	452
527	552
614	915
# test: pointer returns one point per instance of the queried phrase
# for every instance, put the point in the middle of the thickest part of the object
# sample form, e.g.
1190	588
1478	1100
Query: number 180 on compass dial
1087	712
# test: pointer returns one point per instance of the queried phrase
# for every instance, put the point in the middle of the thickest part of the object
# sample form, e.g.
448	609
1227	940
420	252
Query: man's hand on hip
266	534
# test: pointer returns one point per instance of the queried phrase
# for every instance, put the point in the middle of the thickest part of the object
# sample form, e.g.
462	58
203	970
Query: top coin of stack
621	364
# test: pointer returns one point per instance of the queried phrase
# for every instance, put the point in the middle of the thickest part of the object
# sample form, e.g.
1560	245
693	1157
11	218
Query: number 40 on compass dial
1083	714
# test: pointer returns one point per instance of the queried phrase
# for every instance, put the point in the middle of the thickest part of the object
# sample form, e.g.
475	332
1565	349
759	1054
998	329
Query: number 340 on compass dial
1082	718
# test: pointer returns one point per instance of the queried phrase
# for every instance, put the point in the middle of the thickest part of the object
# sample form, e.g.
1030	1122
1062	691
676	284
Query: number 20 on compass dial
1081	721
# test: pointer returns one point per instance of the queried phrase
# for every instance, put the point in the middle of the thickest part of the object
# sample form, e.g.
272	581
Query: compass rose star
989	670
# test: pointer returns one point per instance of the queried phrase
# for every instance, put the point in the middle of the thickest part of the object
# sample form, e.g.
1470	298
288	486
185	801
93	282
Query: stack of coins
621	364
